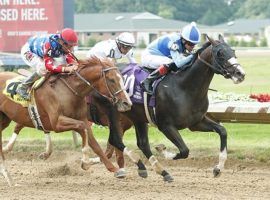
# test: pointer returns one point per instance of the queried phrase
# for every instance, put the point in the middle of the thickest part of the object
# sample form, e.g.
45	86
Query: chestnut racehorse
61	105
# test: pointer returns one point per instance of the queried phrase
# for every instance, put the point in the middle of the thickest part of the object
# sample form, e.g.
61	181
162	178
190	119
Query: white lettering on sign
4	2
8	14
33	14
25	2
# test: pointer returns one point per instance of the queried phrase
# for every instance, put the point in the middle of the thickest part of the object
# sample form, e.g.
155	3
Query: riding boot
147	83
22	90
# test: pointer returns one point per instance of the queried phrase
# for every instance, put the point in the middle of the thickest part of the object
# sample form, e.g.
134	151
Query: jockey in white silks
115	49
168	52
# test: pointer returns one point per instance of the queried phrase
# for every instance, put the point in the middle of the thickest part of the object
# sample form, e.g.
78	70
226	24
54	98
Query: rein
219	69
112	96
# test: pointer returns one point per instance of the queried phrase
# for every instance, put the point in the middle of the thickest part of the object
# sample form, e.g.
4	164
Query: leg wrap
156	165
131	155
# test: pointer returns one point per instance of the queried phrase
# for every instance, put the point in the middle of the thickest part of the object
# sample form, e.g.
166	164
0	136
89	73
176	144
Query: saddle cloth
133	75
13	84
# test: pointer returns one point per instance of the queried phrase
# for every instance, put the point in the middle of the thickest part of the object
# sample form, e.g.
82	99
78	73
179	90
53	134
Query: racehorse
181	102
61	105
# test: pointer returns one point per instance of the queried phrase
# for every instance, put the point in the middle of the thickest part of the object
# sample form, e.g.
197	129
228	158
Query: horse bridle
216	67
112	95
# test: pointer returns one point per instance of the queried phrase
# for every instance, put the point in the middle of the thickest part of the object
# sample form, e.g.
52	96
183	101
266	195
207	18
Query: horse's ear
221	38
213	42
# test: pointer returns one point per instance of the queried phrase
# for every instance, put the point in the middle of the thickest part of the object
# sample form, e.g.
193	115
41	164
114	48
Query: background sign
21	19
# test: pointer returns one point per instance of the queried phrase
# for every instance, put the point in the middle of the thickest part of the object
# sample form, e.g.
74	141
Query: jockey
115	49
168	52
40	53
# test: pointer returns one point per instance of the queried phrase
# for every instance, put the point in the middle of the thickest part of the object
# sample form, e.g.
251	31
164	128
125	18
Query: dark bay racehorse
181	102
61	105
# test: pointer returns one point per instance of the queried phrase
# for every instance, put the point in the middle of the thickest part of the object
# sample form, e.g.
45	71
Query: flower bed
260	97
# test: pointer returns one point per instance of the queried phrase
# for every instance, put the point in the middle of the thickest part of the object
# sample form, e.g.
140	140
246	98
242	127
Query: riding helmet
191	33
126	38
69	36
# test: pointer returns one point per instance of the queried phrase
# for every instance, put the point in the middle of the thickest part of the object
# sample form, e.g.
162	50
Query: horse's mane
198	52
95	61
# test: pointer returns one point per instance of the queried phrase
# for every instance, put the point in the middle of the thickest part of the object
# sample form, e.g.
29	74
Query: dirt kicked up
60	177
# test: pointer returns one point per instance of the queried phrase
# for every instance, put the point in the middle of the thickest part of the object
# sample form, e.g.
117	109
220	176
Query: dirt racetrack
60	177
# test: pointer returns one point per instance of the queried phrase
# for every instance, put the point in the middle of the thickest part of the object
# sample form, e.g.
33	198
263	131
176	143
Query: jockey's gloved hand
70	68
171	66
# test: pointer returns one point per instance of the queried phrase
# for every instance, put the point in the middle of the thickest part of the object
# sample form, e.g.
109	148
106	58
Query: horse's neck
83	87
199	76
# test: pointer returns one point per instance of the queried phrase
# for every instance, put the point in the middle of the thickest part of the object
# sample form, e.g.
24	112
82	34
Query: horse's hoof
121	173
160	147
95	160
5	150
44	156
168	178
216	172
85	165
143	173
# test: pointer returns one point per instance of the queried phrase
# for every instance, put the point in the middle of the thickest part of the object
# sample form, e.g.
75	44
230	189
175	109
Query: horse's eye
220	54
233	51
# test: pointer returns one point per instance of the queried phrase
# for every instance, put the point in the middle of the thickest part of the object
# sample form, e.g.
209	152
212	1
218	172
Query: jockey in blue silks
168	52
40	53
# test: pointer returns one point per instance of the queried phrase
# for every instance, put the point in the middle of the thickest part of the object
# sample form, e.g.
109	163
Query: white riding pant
34	61
153	61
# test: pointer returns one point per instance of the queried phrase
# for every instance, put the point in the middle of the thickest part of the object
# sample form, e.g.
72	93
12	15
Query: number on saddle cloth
13	84
10	90
133	75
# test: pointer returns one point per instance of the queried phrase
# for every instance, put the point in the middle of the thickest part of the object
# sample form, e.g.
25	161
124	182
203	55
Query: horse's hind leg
4	122
143	144
207	125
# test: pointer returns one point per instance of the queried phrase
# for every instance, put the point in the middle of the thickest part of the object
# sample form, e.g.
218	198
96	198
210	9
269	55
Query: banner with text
21	19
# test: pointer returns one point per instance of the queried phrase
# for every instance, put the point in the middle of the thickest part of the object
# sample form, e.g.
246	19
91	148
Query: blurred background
245	24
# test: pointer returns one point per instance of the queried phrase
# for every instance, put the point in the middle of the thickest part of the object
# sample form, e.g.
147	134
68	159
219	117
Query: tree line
208	12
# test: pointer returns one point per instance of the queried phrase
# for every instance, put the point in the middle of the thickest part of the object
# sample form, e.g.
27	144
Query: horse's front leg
65	123
143	144
171	132
208	125
97	149
9	146
48	150
116	140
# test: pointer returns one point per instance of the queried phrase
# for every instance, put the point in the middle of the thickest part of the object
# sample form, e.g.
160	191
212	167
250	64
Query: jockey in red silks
40	53
168	53
115	49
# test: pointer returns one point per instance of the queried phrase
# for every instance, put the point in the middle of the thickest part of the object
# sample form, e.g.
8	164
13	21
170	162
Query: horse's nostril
126	104
238	73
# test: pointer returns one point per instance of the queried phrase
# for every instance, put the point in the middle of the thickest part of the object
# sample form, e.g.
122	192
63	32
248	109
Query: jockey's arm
49	64
49	61
70	59
179	59
130	57
177	55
